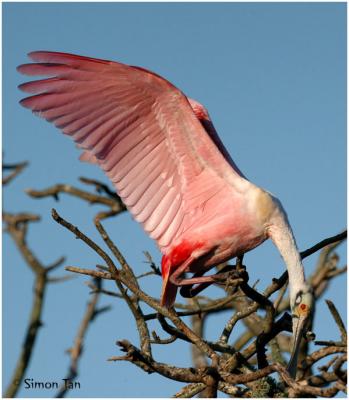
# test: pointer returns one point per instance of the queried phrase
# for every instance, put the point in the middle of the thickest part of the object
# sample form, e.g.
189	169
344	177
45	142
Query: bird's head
301	308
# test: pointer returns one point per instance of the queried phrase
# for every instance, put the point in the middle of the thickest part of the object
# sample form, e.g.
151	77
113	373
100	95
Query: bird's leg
188	291
202	282
239	260
197	278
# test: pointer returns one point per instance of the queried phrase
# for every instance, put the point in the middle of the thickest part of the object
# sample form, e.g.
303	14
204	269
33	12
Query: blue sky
273	77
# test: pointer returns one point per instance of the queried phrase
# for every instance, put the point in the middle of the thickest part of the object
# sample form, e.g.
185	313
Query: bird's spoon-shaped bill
299	325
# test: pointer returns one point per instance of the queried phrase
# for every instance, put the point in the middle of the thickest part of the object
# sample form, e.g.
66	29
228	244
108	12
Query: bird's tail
169	290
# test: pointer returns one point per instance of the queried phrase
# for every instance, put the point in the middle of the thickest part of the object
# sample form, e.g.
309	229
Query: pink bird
167	163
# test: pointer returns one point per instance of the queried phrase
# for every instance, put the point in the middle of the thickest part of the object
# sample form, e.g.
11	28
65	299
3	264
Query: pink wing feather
164	159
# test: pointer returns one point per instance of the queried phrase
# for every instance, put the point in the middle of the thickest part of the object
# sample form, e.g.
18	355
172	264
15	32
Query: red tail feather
169	290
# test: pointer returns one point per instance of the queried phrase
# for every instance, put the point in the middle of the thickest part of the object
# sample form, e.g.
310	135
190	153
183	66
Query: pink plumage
167	163
160	150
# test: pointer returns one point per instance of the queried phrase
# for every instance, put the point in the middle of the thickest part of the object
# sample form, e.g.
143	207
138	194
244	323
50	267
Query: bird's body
218	237
167	163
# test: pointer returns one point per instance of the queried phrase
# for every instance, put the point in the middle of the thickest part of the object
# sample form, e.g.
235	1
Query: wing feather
147	167
142	131
125	166
168	208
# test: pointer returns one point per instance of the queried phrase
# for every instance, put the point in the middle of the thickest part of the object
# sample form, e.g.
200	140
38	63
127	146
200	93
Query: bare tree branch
120	278
15	169
54	191
330	240
338	320
217	366
17	227
76	350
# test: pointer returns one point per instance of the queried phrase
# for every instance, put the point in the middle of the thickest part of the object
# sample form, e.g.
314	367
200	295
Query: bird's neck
281	234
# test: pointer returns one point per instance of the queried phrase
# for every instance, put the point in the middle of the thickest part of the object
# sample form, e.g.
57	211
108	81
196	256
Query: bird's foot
233	278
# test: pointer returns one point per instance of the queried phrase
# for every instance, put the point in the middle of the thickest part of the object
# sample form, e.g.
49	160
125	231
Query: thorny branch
218	366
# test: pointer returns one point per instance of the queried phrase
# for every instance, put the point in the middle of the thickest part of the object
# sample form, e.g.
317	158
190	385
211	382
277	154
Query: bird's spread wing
141	130
202	115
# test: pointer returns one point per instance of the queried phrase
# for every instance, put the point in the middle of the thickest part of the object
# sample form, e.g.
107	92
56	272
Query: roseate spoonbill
167	163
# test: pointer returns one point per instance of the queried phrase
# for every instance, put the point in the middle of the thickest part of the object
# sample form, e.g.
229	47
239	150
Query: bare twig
100	187
95	289
338	320
157	340
30	336
333	239
76	350
152	264
212	307
190	390
148	364
15	169
91	272
133	305
319	354
17	227
92	198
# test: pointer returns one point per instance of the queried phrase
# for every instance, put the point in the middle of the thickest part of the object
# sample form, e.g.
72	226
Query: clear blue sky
273	77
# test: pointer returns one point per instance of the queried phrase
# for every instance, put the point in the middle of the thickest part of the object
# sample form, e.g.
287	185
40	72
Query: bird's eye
303	309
